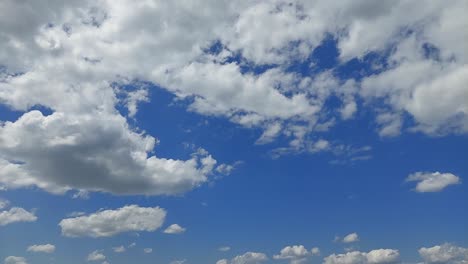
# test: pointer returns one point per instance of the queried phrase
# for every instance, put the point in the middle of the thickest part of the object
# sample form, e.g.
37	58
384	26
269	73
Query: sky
233	132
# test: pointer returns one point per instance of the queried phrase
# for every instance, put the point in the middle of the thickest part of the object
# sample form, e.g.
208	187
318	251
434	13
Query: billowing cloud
174	229
15	260
445	253
377	256
246	258
211	58
45	248
432	181
112	222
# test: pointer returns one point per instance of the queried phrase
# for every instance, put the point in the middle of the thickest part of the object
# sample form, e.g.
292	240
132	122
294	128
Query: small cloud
224	248
350	238
148	250
47	248
432	181
119	249
96	256
174	229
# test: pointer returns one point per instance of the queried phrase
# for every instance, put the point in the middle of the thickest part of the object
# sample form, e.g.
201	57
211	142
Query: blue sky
233	133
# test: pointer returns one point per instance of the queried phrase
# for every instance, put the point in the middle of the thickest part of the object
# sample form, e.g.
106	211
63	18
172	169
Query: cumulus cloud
16	214
119	249
45	248
432	181
376	256
174	229
15	260
96	256
445	253
107	223
246	258
353	237
296	254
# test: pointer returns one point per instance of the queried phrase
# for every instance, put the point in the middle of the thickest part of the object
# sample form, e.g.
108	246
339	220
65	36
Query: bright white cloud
15	260
16	214
445	253
45	248
111	222
353	237
377	256
246	258
96	256
174	229
432	181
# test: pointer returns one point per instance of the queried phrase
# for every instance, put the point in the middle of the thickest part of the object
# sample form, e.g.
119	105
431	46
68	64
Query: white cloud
119	249
96	256
377	256
15	260
46	248
296	254
445	253
178	261
353	237
96	152
246	258
147	250
87	41
16	214
111	222
174	229
315	251
432	181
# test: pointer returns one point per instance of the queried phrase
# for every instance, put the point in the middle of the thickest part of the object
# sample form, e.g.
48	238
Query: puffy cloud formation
15	260
92	151
75	59
377	256
247	258
445	253
296	254
96	256
174	229
15	214
432	181
46	248
111	222
353	237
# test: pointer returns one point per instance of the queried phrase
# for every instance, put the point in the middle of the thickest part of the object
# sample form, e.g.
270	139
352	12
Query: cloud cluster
108	223
445	253
246	258
67	58
376	256
296	254
15	260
